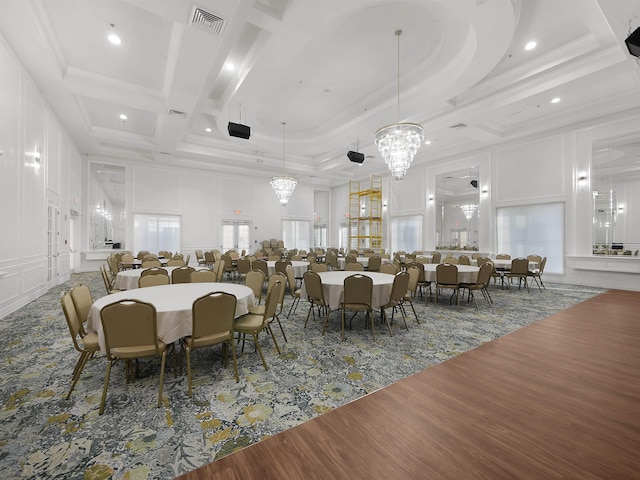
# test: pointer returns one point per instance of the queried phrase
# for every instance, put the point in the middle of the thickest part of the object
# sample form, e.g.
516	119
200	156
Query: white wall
29	188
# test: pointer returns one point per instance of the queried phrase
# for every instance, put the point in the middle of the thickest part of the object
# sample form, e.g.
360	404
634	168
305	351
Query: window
533	230
406	233
156	232
296	234
343	236
236	236
319	235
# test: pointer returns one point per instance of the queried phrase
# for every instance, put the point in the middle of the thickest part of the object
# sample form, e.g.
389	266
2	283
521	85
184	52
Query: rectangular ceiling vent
207	21
458	125
176	113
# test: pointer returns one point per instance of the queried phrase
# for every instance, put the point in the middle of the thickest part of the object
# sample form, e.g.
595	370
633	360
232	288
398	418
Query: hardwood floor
557	399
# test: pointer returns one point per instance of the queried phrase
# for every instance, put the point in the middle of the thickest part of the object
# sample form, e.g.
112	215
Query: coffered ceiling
328	69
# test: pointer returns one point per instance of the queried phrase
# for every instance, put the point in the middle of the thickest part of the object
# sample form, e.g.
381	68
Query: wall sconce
431	198
36	156
582	177
485	191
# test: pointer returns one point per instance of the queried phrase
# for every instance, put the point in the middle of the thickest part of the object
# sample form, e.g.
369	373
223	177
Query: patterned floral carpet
42	435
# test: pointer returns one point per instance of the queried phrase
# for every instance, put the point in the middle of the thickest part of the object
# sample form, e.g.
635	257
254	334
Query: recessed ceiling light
555	100
115	39
123	116
208	129
230	66
530	46
427	142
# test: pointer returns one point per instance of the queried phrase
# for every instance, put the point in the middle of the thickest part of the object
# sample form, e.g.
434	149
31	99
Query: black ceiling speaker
239	130
633	43
474	183
356	157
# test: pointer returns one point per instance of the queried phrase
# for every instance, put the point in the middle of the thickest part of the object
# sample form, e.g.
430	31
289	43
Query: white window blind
156	232
406	233
296	234
533	230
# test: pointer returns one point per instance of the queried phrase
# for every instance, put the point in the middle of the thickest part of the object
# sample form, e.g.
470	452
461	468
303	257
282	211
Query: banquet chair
212	320
203	276
153	281
165	254
295	292
254	324
315	296
273	258
126	258
200	257
354	267
131	332
536	274
503	256
209	259
281	266
229	269
154	271
262	266
319	267
113	265
422	279
82	301
106	278
451	260
221	269
255	281
389	268
464	260
176	262
375	262
259	309
358	292
85	343
519	270
151	262
447	277
412	288
398	293
142	254
535	258
484	277
332	259
243	266
182	274
436	257
350	259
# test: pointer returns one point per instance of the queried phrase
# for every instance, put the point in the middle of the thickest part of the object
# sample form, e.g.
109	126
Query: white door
236	235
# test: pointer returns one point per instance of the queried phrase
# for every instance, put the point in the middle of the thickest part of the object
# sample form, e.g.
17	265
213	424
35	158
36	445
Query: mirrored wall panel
457	198
615	191
107	217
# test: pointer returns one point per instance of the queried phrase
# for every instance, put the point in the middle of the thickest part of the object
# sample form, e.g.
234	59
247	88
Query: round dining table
333	287
299	267
128	279
173	305
466	273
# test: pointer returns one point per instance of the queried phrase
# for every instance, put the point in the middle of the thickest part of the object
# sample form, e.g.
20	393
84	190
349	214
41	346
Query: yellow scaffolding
365	215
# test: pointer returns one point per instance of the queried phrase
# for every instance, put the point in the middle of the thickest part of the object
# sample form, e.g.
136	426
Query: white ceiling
329	69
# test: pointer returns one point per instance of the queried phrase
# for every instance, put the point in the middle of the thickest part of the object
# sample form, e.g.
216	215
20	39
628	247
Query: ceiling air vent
176	113
458	125
207	21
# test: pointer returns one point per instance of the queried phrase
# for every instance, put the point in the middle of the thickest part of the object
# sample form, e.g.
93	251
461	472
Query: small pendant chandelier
399	142
283	185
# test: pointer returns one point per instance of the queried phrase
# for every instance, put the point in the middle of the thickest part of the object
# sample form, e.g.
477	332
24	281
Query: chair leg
77	371
164	361
386	319
255	339
274	338
342	326
235	360
188	355
104	389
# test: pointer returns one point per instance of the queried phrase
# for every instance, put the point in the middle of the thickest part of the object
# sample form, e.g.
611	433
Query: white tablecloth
333	287
505	264
299	267
466	273
364	261
128	279
173	306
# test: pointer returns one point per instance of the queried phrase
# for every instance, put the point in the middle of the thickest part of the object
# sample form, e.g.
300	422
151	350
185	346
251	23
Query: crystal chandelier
283	185
468	210
399	142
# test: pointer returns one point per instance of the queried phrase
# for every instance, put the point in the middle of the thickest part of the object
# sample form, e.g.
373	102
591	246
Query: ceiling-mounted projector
239	130
633	43
356	157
